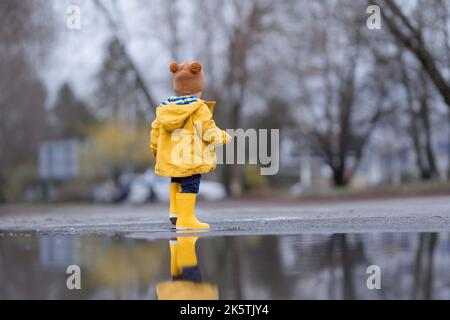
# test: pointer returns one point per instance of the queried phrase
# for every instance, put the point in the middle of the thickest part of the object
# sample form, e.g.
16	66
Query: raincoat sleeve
212	133
154	134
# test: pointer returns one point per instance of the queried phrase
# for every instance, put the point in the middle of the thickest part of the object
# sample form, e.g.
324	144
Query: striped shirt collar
182	100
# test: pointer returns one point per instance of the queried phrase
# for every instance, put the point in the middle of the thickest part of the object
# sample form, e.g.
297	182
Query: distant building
387	159
392	160
59	160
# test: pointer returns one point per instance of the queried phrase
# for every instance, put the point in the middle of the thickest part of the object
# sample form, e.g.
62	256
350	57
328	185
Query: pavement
428	214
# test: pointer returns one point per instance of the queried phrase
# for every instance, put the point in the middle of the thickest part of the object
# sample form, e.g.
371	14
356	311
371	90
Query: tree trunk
2	186
339	177
448	148
424	169
425	162
236	180
431	160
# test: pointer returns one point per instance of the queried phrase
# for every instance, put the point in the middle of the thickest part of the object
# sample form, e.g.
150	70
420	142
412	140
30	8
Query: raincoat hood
173	112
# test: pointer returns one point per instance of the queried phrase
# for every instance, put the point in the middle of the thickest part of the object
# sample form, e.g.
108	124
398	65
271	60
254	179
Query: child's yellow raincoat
183	137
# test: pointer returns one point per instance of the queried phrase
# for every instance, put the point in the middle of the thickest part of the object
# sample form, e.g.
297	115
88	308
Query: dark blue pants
189	184
189	274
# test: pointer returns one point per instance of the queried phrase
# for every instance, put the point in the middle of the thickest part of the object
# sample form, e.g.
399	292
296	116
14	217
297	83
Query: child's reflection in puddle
186	281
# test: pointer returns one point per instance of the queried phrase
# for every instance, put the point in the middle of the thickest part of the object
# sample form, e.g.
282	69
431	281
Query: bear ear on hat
173	66
195	67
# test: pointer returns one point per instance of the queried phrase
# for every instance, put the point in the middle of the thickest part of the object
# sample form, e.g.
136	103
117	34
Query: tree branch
115	31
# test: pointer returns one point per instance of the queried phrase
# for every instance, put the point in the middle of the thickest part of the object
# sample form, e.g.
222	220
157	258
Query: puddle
313	266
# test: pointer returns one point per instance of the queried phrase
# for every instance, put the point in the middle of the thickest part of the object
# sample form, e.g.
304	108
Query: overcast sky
76	55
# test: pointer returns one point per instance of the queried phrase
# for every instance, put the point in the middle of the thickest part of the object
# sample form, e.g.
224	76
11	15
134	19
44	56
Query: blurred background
362	112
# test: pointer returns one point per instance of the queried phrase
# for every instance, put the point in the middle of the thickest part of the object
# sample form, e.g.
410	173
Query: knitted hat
188	77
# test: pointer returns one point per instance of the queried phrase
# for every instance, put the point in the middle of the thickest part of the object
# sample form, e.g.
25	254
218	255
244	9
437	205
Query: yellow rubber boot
174	189
186	255
186	215
174	269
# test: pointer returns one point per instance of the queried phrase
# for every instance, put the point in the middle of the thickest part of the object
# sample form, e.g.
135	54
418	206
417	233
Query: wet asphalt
429	214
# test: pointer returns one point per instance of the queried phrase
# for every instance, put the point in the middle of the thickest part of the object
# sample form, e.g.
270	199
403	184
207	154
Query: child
187	282
182	140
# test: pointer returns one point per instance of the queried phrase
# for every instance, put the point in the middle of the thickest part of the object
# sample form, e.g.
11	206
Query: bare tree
341	117
411	35
424	33
121	44
25	34
417	94
242	36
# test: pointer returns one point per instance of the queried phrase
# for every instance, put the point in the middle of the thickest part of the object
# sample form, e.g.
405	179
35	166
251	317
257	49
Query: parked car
104	192
148	187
